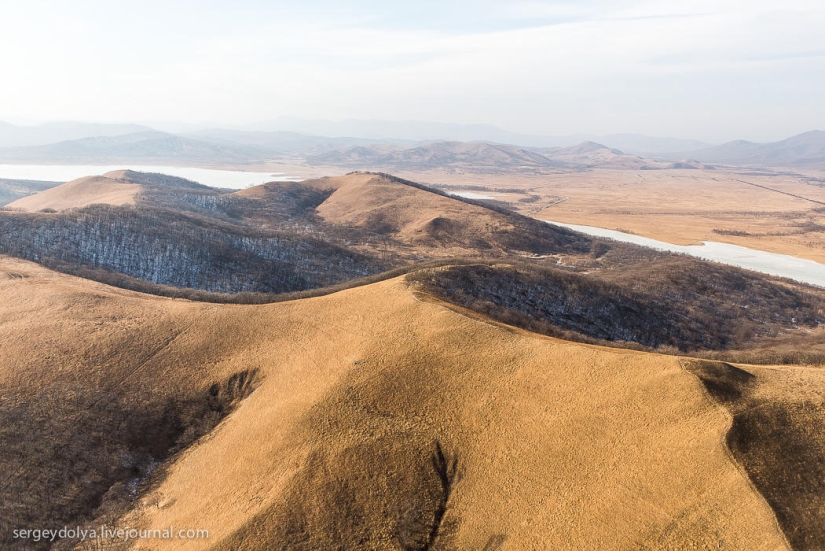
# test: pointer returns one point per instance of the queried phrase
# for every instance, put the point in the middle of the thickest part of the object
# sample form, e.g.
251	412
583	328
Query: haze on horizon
706	70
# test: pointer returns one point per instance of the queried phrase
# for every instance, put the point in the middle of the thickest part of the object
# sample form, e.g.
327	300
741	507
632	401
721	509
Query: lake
798	269
234	179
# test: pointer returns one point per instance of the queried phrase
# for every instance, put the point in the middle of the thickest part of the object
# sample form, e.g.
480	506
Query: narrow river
798	269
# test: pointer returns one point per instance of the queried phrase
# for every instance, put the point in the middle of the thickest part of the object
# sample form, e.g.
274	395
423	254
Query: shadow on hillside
383	493
72	453
668	305
780	442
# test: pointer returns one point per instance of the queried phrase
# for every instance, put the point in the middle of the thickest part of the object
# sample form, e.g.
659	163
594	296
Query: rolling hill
592	155
479	155
13	189
80	193
369	418
668	303
225	146
174	237
276	238
407	146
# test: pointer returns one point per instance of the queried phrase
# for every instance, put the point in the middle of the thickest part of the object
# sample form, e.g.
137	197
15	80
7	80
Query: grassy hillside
776	434
425	223
11	190
89	404
375	420
79	193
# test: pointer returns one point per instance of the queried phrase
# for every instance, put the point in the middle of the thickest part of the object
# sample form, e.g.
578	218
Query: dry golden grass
776	435
82	192
545	444
413	223
778	212
409	213
557	444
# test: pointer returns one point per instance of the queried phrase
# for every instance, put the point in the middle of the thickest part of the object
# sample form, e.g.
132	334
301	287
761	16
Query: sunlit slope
367	397
89	190
433	223
379	413
776	436
411	213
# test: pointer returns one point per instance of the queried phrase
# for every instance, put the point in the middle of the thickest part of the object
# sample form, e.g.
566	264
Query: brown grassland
377	420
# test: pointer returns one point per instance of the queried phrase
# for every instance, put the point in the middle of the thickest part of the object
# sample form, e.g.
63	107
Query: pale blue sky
711	70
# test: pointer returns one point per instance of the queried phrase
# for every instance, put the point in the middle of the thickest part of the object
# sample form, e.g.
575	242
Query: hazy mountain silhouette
52	132
802	149
148	145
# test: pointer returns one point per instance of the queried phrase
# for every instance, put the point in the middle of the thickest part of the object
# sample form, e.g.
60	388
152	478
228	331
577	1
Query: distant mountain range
284	142
481	157
802	149
381	144
52	132
393	131
295	135
148	146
